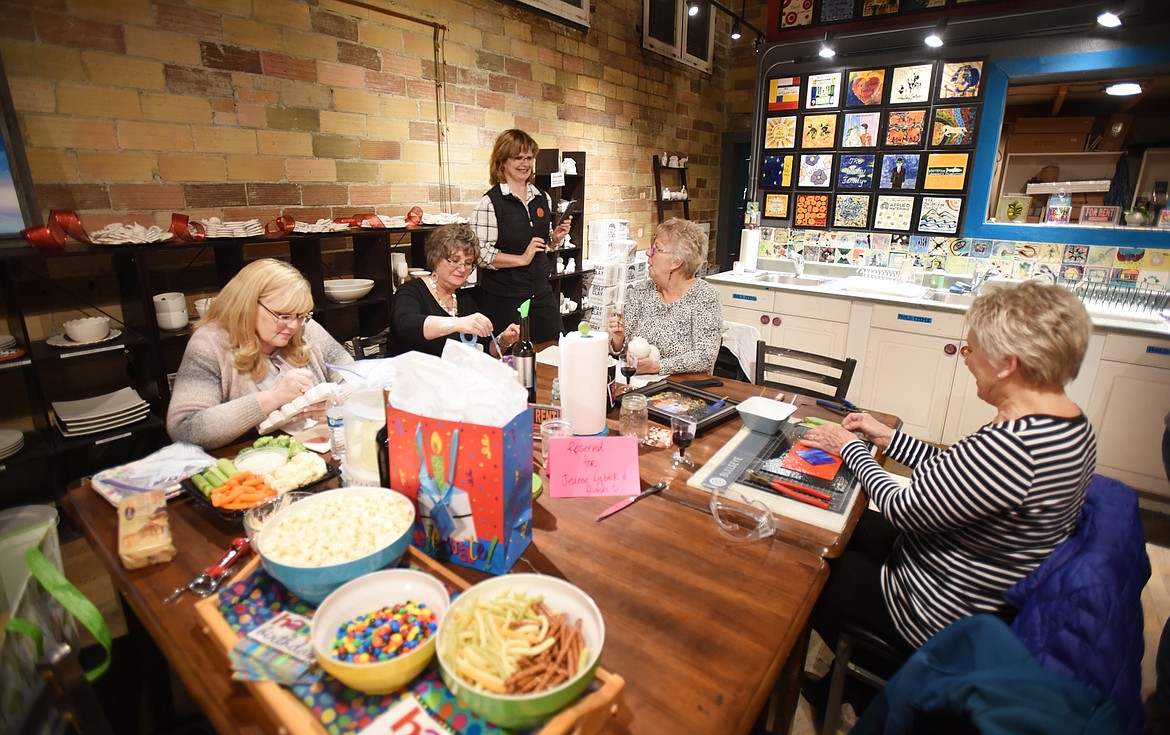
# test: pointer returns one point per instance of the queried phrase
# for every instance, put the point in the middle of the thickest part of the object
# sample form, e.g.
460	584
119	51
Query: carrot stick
240	477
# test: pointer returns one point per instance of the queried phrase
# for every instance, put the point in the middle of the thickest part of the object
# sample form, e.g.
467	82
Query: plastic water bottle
336	420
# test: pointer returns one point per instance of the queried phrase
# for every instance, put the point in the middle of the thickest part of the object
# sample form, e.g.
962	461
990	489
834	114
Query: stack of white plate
6	341
11	442
217	228
100	413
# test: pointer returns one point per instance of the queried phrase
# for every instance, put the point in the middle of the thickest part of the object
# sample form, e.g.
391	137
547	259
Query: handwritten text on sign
588	466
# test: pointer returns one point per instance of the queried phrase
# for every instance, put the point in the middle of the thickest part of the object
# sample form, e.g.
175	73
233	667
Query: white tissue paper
465	385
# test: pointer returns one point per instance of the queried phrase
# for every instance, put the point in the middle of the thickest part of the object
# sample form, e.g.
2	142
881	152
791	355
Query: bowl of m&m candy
377	633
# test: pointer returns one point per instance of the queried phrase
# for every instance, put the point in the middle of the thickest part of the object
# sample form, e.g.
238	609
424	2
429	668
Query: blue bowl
314	583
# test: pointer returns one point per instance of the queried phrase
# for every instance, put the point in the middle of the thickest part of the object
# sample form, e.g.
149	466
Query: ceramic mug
170	301
172	319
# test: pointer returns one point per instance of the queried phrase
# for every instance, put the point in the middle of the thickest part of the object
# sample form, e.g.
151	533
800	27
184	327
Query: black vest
516	226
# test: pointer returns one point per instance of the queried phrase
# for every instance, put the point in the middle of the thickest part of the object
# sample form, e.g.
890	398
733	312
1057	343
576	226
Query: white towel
741	340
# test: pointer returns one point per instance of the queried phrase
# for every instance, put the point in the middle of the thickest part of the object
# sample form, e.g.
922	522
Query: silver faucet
797	259
981	277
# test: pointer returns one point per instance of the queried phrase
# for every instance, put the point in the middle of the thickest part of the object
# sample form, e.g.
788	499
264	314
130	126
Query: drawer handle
965	350
775	321
764	320
950	349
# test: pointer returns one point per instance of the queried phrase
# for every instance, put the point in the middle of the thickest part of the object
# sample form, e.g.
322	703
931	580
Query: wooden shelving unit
667	205
548	166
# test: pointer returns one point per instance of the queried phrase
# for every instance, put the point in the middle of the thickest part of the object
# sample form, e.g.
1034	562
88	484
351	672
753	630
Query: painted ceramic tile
828	255
940	214
958	246
899	171
812	253
865	87
776	172
1022	269
1101	256
859	256
1004	266
879	7
954	126
899	242
816	170
781	235
936	262
834	11
960	79
1027	251
783	94
893	213
860	129
818	131
897	257
1131	257
880	241
1050	252
1152	277
1124	275
824	91
780	132
980	248
960	265
878	258
843	256
775	205
852	210
796	13
945	171
1095	274
1158	259
856	171
767	247
1003	249
904	128
910	84
812	210
1072	272
918	244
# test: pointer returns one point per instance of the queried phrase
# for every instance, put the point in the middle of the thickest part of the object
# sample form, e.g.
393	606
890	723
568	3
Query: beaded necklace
453	310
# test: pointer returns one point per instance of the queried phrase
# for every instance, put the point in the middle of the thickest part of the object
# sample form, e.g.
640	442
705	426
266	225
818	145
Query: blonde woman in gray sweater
256	350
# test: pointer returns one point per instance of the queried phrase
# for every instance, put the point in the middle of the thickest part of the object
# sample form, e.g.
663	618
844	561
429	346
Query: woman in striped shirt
981	515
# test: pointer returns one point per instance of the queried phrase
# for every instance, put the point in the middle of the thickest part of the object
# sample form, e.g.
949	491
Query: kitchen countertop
842	284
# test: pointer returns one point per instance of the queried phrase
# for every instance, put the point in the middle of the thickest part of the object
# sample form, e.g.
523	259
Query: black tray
706	408
331	473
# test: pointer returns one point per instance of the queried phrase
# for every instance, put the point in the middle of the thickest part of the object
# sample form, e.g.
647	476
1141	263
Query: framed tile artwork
816	170
776	205
953	126
899	171
946	171
824	91
879	7
904	128
818	131
893	213
776	172
940	214
860	129
960	80
812	210
780	132
856	171
796	13
910	84
783	94
837	11
865	88
851	210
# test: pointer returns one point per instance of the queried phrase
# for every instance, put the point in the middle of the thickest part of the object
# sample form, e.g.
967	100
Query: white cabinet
966	412
1130	399
788	318
912	358
1155	168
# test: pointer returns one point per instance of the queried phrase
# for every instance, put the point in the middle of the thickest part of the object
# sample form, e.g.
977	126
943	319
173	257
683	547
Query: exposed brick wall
136	109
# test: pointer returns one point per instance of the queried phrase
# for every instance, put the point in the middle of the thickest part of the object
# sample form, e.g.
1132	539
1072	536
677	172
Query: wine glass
682	430
629	366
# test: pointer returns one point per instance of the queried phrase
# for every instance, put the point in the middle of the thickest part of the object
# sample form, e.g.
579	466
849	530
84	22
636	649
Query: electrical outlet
640	230
642	195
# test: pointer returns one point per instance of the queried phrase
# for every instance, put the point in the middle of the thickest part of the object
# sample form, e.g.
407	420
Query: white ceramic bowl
764	414
170	301
345	290
87	329
172	319
203	305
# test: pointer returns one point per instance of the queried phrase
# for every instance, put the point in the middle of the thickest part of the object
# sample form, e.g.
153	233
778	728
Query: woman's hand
476	324
562	230
535	245
616	326
833	438
290	387
509	336
648	366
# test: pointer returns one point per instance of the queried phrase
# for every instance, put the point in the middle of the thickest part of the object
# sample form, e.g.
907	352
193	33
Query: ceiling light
827	51
693	8
1123	89
736	33
1109	19
934	39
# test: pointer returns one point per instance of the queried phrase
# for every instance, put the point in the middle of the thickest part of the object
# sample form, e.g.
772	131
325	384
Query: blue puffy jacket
1080	612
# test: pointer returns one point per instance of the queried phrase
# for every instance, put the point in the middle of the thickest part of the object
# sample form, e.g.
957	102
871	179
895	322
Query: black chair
727	366
63	699
803	372
853	637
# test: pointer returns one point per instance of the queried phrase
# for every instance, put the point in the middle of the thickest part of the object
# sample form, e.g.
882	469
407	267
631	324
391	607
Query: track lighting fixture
693	8
1123	89
827	51
934	39
736	33
1109	18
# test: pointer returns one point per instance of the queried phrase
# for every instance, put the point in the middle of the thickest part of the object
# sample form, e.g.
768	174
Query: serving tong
208	581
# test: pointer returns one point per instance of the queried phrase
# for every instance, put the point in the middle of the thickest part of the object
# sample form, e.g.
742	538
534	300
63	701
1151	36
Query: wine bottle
524	358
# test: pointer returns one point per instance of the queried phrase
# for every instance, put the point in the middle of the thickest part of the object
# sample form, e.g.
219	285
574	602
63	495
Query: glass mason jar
634	417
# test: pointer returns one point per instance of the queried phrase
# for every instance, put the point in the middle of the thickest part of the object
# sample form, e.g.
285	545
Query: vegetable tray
586	716
317	485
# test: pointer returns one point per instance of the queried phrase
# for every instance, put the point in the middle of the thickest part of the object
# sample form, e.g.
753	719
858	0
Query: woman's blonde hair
510	144
686	240
284	290
449	240
1044	325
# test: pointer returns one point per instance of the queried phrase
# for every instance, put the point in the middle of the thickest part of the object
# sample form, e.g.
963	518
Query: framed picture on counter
1098	215
776	205
1163	219
665	398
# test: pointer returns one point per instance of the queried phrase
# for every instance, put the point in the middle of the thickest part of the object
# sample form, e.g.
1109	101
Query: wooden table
701	627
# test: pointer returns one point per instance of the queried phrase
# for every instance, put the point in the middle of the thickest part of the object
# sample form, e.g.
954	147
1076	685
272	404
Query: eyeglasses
286	320
522	159
654	248
460	264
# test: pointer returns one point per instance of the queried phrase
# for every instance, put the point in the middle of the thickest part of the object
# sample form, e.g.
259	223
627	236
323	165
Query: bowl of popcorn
554	641
376	633
316	545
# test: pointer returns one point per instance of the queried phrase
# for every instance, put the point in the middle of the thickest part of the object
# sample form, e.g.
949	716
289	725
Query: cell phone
703	383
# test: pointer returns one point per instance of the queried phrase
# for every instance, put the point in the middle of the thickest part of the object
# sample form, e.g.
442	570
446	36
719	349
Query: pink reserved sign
588	466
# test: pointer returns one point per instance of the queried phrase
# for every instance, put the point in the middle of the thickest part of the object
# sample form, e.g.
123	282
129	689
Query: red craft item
793	461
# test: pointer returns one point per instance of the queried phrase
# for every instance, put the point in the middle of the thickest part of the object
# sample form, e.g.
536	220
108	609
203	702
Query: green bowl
524	710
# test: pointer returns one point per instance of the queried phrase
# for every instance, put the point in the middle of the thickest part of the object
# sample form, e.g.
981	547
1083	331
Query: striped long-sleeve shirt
977	517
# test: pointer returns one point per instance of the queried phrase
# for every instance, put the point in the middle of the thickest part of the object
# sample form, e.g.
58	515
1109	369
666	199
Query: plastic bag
161	470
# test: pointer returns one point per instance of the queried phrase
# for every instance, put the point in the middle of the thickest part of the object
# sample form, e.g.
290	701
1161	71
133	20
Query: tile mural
959	255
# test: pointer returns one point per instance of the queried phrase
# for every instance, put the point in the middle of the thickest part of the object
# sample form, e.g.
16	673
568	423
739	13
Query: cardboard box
1054	125
1046	142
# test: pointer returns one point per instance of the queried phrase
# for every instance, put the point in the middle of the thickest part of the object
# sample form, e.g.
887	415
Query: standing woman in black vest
513	221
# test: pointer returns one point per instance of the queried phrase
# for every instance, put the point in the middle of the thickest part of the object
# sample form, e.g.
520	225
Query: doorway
735	154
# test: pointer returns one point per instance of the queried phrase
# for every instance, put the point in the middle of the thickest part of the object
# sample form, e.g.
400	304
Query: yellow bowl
365	595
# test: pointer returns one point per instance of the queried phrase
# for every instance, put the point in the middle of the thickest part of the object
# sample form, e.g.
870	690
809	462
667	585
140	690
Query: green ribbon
72	599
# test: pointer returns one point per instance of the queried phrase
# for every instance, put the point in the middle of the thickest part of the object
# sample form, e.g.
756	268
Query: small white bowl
87	329
172	319
203	305
764	414
345	290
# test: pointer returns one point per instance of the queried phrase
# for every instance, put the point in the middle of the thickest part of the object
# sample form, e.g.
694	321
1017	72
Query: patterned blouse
687	333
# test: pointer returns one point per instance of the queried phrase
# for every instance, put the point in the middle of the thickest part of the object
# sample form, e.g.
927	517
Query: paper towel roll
749	248
584	361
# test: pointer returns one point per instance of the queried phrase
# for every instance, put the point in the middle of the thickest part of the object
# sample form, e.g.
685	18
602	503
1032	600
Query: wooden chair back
803	372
